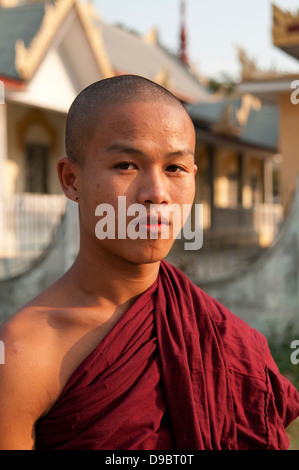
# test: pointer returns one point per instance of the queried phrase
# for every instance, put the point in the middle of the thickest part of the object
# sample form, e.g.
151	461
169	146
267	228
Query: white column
3	157
268	180
2	93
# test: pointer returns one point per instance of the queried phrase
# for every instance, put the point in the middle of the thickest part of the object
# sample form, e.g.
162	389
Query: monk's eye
125	166
175	169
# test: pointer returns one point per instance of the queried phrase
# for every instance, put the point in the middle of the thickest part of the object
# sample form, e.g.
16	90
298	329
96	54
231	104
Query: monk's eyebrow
126	149
181	153
122	148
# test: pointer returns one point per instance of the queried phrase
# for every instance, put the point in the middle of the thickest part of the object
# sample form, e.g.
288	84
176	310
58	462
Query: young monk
124	352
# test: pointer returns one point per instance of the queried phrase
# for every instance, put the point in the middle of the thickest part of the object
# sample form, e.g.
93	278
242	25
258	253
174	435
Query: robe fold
178	371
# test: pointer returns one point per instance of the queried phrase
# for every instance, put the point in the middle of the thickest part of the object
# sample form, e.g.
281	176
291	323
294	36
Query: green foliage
293	433
279	340
226	84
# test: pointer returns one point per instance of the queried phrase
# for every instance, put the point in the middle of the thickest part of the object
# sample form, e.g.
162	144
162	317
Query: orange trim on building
12	83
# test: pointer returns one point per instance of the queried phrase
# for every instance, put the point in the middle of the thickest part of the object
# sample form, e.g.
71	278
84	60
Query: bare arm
16	420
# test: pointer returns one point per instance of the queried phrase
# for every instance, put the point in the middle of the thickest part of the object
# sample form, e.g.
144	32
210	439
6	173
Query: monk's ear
68	177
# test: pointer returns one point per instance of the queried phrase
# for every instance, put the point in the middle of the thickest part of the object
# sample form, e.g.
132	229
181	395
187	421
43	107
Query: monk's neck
115	280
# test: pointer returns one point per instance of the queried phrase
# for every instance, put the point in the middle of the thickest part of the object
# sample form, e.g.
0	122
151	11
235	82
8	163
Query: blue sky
214	28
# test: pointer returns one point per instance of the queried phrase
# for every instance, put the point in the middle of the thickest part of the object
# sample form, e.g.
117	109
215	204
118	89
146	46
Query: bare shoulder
25	337
36	338
27	383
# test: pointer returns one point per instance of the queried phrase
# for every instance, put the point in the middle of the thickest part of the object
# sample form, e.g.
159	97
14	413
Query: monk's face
145	153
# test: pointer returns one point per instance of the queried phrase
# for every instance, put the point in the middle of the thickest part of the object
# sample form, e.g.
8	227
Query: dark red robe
178	371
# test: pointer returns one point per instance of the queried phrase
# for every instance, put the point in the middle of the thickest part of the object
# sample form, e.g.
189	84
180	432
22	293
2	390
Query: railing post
3	157
2	93
268	181
211	183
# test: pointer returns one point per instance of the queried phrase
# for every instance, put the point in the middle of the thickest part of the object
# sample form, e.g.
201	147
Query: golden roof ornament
28	58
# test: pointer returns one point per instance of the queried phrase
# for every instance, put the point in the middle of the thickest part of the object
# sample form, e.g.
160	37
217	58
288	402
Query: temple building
280	89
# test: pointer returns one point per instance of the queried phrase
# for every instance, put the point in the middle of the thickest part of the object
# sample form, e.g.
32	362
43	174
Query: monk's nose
154	189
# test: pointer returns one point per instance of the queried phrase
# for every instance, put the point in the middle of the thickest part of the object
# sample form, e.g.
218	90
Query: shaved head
88	109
